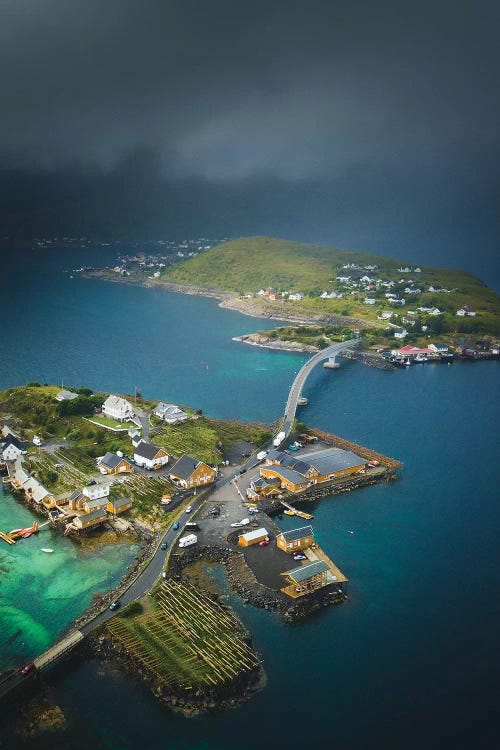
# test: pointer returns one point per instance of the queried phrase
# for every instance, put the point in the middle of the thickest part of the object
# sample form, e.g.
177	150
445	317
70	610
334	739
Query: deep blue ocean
411	659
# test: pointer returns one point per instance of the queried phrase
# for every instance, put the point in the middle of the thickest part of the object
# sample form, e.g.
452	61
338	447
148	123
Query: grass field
112	423
184	638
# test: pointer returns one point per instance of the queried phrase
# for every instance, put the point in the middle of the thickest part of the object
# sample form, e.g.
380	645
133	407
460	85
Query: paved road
302	375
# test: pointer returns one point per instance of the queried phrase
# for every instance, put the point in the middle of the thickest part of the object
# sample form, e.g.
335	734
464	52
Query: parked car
28	668
189	509
264	543
164	545
299	556
92	481
292	447
115	605
176	525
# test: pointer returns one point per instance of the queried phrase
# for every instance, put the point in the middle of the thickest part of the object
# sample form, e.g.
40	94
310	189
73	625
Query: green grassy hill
245	265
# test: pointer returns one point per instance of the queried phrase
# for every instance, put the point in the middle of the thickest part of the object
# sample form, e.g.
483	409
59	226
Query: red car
264	543
28	668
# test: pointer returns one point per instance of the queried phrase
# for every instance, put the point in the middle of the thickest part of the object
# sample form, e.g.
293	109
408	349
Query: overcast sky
226	90
230	89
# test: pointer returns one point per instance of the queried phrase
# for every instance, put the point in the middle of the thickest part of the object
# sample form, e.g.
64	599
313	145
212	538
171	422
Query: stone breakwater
371	359
244	583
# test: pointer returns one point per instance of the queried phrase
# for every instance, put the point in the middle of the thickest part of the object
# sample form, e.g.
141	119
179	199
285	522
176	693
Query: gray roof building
307	571
289	474
185	466
111	460
334	459
146	450
294	534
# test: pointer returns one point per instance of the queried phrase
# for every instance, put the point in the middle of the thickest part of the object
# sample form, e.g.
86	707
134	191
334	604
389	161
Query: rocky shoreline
177	696
256	339
244	583
254	308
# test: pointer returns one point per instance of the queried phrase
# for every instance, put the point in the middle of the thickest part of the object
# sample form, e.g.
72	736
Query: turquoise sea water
410	660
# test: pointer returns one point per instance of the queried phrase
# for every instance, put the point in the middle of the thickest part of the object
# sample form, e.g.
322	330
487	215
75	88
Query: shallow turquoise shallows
409	660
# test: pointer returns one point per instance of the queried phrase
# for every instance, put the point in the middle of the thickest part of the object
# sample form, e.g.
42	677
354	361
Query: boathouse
296	539
190	472
253	537
86	520
305	579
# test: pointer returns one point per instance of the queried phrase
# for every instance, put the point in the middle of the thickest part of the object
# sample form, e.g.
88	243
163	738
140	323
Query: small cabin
296	539
119	506
253	537
90	505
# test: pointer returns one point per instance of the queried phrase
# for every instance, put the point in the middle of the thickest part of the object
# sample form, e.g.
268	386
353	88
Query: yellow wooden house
118	506
295	539
289	479
112	463
189	472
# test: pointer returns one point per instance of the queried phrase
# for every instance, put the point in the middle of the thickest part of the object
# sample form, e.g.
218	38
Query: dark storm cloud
229	89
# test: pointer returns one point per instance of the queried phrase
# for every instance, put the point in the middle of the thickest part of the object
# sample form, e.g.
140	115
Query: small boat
302	401
47	549
26	535
289	512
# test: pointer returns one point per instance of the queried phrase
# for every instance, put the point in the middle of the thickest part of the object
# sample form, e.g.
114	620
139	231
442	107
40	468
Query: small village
241	505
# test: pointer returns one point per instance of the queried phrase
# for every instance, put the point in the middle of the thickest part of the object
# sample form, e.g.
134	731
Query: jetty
294	512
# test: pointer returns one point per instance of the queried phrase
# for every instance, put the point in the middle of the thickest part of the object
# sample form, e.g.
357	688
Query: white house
170	413
296	296
439	348
430	310
370	300
395	301
12	447
65	395
96	491
117	408
150	456
344	279
386	315
400	333
466	310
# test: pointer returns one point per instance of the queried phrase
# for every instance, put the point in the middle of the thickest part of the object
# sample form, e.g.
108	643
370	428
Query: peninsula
87	461
345	291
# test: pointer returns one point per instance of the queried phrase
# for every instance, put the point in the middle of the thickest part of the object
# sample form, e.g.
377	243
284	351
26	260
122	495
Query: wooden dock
295	512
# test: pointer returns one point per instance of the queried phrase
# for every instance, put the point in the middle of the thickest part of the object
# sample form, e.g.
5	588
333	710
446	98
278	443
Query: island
200	493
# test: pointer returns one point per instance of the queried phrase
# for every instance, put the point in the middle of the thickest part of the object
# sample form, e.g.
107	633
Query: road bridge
301	377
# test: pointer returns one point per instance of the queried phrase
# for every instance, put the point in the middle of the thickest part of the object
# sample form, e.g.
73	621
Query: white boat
47	549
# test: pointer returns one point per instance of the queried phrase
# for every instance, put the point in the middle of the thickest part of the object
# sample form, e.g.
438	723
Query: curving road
302	375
